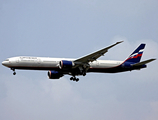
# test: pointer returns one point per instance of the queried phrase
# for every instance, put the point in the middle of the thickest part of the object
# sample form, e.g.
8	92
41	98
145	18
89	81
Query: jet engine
54	74
64	64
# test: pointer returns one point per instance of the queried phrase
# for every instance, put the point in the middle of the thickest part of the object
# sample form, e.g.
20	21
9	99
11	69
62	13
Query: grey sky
73	28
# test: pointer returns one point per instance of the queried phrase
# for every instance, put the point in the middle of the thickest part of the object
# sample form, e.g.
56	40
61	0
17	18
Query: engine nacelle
65	64
54	74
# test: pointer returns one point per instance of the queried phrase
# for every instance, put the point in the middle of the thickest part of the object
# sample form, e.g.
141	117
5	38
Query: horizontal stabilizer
143	62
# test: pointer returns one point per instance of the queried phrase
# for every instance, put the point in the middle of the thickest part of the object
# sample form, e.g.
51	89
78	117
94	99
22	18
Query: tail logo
136	55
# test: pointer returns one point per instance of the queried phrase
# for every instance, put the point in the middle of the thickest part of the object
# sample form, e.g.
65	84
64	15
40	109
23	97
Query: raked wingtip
119	42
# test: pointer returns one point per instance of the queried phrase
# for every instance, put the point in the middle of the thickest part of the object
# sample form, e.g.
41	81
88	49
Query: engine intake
54	74
64	64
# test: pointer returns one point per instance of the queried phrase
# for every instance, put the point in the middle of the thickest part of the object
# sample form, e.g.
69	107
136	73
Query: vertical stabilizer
136	55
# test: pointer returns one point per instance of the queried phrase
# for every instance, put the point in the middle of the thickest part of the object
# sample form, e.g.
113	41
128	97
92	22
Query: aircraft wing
143	62
93	56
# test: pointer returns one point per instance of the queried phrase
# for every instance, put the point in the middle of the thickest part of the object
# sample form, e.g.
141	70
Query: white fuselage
46	63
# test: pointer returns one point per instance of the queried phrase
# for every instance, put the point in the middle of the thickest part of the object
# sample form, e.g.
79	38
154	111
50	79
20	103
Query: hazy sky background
74	28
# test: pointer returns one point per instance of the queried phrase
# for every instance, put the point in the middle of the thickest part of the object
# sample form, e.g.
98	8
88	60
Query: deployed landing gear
14	73
84	74
74	79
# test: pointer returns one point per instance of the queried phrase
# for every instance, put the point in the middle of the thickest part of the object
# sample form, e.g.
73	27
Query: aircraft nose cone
5	63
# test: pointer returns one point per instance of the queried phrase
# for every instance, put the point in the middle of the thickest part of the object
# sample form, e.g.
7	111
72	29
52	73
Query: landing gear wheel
77	80
74	79
84	74
14	73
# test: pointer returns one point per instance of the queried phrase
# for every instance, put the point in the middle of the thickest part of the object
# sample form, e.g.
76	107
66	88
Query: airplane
58	67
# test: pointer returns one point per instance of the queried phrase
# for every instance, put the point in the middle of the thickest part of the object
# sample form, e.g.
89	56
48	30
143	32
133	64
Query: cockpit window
7	60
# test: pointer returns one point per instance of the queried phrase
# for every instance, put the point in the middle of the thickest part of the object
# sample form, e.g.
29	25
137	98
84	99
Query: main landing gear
74	79
14	73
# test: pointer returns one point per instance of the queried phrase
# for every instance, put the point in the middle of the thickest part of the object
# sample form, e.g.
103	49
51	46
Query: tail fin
136	55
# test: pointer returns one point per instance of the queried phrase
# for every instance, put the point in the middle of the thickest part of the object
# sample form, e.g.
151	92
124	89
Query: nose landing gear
14	73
